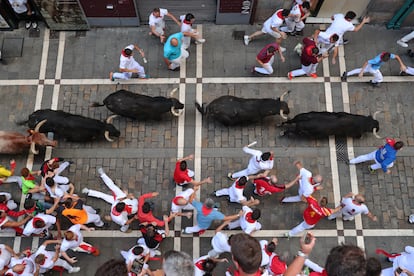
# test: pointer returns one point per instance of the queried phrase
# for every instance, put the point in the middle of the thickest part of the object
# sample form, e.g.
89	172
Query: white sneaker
85	191
402	43
100	171
74	269
200	41
286	235
283	49
246	40
157	253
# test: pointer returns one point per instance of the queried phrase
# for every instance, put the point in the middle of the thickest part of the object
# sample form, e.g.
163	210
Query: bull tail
200	108
96	104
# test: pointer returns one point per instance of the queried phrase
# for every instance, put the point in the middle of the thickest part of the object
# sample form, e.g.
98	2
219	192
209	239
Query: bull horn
374	131
176	112
106	134
173	92
39	125
110	119
284	94
283	115
33	148
375	114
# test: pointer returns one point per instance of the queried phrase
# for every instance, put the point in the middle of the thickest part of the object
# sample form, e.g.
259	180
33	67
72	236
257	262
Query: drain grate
12	47
238	35
341	152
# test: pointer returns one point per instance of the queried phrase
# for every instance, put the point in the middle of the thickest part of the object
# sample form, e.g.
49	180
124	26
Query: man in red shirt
145	211
313	214
309	59
265	185
266	58
183	175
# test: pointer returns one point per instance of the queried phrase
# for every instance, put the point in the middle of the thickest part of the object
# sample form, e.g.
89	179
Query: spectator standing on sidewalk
384	157
373	66
271	26
24	11
157	22
128	65
266	57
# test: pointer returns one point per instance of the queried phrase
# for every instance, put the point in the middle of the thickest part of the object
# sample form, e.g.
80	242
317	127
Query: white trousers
159	28
175	63
60	262
300	228
128	75
344	215
314	266
61	179
117	192
375	72
410	71
290	199
305	70
267	68
369	157
193	229
292	25
93	217
408	37
14	178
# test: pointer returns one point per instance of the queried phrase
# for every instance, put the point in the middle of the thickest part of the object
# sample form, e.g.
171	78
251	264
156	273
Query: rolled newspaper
252	144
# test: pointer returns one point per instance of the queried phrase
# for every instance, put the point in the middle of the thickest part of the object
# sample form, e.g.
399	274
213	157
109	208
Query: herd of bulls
228	110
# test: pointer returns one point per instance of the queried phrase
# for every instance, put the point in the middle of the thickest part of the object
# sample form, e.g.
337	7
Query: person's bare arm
372	216
173	18
296	266
293	182
363	69
366	19
403	67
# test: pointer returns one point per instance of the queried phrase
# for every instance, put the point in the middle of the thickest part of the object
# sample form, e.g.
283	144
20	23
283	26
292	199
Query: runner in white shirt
206	264
258	162
307	184
188	31
6	253
128	65
220	241
73	238
352	205
248	220
182	201
235	192
39	225
139	252
48	259
294	22
157	22
22	267
342	24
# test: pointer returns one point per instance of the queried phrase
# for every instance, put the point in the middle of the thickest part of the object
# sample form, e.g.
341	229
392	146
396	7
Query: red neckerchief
187	22
175	200
279	14
35	220
390	141
249	217
301	11
237	186
206	211
115	212
199	264
123	53
29	177
385	253
128	209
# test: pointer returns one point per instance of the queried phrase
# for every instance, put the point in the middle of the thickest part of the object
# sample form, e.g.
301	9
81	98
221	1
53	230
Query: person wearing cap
205	216
384	157
174	52
258	162
157	22
307	184
352	205
128	65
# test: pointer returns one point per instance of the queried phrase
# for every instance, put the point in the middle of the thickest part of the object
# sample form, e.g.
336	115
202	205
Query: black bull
323	124
71	127
140	107
230	110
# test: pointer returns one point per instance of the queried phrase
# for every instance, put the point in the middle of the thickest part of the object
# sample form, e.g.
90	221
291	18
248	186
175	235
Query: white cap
130	47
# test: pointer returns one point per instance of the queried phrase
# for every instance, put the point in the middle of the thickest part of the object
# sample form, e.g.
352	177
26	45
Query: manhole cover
238	35
12	47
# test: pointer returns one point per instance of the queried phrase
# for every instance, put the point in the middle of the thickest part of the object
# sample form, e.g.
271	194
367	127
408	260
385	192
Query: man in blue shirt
384	157
205	216
372	66
174	53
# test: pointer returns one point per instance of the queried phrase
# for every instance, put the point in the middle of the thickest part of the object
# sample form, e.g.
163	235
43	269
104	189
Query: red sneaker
313	75
289	75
